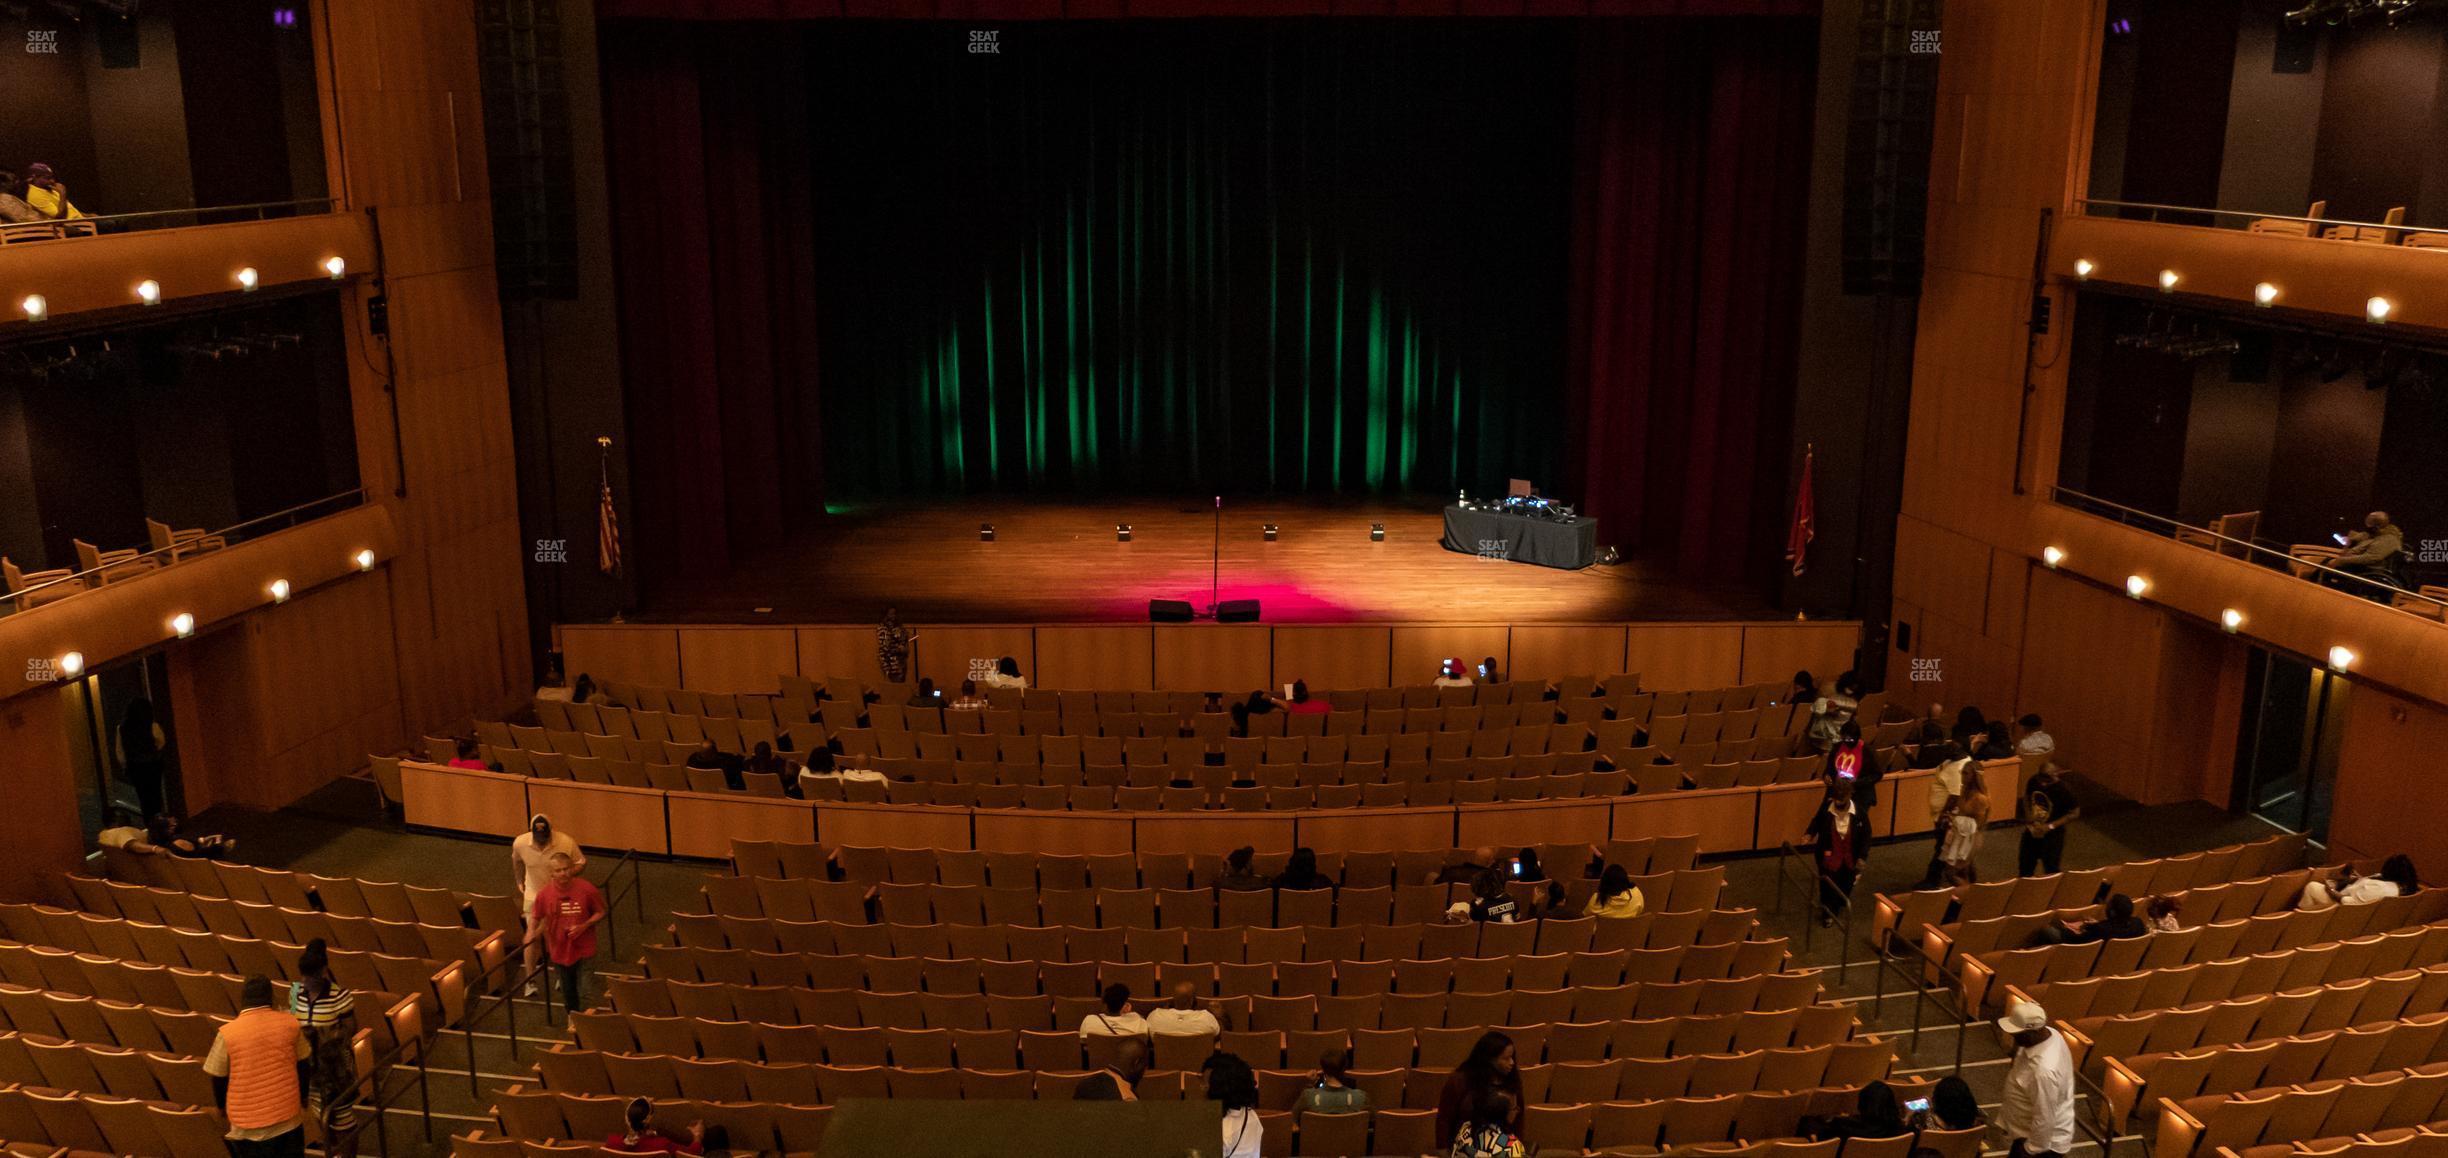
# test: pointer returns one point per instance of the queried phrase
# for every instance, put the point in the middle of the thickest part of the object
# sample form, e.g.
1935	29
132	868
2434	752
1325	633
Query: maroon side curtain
707	145
1691	172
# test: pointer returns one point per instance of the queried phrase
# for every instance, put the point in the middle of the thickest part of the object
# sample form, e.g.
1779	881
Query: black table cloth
1571	544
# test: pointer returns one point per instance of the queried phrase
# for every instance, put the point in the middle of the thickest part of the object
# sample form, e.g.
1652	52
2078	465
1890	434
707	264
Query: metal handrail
2087	204
341	501
375	1081
1807	880
94	224
480	1004
2272	558
612	897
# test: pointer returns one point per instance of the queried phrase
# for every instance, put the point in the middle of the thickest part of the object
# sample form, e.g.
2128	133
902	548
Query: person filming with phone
2373	553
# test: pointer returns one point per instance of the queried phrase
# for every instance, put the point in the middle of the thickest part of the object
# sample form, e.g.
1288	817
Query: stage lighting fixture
2231	619
37	307
2167	281
364	560
2264	294
2377	310
1376	532
2341	658
1121	532
72	664
1268	530
148	291
985	532
337	267
2136	586
280	591
2083	268
182	625
247	279
2052	556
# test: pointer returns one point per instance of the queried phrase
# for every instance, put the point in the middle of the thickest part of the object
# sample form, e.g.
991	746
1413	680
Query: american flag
607	527
1805	516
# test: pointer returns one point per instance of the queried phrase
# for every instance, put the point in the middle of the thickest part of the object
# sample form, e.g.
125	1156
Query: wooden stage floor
1060	563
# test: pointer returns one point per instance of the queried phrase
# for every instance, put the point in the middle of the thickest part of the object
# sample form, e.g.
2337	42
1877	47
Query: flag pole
607	527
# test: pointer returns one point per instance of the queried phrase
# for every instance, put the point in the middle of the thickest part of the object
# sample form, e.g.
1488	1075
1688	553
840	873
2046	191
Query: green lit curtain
1255	256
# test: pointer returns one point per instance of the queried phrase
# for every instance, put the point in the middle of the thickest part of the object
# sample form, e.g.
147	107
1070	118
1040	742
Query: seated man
46	195
1182	1015
2370	553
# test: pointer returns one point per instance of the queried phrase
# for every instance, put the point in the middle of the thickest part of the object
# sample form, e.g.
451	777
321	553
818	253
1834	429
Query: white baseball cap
2022	1016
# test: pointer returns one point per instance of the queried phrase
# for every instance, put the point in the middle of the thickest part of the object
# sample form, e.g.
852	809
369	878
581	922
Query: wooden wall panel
97	273
1515	824
2093	673
1118	658
604	816
1228	657
1546	652
1076	833
1417	651
1785	810
950	654
1682	658
630	654
46	835
1213	832
893	825
1772	653
1373	829
1332	657
737	659
326	689
1722	818
466	801
845	652
2389	759
704	824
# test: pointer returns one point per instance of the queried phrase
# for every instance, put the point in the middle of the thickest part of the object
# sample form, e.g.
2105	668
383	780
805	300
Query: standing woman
327	1013
1489	1068
1840	845
141	763
892	646
1234	1087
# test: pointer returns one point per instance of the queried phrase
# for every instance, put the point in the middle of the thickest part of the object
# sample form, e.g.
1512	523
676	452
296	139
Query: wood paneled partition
1224	657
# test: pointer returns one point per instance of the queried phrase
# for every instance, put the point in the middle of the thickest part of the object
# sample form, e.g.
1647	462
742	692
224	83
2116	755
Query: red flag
1798	540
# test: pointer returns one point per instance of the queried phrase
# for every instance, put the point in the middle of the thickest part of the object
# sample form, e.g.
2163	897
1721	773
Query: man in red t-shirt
564	919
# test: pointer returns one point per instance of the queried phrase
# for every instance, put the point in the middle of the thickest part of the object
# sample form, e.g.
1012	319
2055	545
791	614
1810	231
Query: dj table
1568	543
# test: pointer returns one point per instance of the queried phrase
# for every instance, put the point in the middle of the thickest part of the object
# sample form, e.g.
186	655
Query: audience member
2118	924
471	755
1946	790
1526	866
1302	704
1118	1018
1492	1129
2033	742
127	832
1971	727
1960	853
1453	674
584	690
1258	704
1232	1085
2371	553
1840	846
893	645
1468	870
2395	878
47	196
163	836
644	1136
1490	1067
1617	896
140	745
563	918
531	856
1006	674
1119	1080
2165	913
1332	1092
1181	1015
924	695
1851	760
1833	710
1995	744
764	760
1952	1106
2048	807
326	1014
1488	672
1930	748
1238	875
1301	872
1876	1114
2036	1113
711	758
1803	690
13	207
258	1065
1491	901
970	700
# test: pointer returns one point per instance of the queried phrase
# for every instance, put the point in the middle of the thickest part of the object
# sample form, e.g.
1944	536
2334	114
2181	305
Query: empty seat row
2281	1060
162	907
435	948
339	896
118	986
2329	1004
99	1124
28	1060
2247	1118
2237	974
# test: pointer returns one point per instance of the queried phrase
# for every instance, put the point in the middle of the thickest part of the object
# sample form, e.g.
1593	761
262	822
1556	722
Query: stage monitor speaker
1237	611
1169	611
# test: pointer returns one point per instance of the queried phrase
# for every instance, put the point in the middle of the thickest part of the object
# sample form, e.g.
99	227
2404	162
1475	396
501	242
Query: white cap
2022	1016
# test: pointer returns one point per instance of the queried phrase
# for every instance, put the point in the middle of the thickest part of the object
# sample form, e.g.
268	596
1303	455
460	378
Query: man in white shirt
1118	1018
2037	1111
2034	741
531	867
1182	1015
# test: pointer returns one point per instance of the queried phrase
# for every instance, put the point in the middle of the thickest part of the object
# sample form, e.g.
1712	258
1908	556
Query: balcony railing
42	588
2326	228
30	232
2303	560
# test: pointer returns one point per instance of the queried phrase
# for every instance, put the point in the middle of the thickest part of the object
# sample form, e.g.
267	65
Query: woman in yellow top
1616	897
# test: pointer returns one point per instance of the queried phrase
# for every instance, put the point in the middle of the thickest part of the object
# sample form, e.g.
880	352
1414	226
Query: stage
1060	563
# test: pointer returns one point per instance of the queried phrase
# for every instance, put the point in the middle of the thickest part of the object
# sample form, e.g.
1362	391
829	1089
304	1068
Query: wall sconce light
2136	585
1268	530
2264	294
1376	532
985	532
337	267
2231	619
2083	268
1121	532
182	625
37	307
2377	310
2167	281
247	279
72	664
280	591
2341	658
2052	556
148	291
365	559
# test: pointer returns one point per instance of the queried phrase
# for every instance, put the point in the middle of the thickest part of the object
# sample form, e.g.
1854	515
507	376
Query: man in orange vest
258	1067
